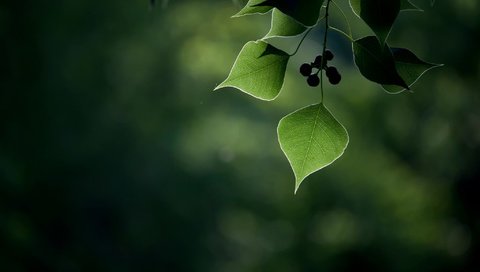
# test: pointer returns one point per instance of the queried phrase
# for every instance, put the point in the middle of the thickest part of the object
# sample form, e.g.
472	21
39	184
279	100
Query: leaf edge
299	182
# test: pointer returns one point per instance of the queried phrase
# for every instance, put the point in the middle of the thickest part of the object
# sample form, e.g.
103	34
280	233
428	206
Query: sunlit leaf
259	71
305	12
378	14
251	8
409	66
311	138
376	62
284	26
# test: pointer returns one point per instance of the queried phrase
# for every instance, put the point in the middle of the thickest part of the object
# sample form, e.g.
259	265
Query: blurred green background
116	156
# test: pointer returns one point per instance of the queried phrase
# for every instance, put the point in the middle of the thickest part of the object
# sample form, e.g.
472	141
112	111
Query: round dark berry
331	71
335	79
313	80
318	62
305	69
328	55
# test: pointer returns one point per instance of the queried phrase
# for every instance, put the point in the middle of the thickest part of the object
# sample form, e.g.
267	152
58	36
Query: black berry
305	69
331	71
313	80
318	62
335	79
333	75
328	55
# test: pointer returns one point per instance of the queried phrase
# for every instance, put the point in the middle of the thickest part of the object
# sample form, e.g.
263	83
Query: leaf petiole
324	45
301	41
304	36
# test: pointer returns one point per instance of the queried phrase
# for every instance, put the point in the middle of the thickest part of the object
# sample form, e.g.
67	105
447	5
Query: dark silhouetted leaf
410	68
378	14
407	5
305	12
376	62
252	8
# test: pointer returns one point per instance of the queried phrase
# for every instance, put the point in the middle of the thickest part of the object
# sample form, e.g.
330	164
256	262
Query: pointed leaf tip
409	67
252	7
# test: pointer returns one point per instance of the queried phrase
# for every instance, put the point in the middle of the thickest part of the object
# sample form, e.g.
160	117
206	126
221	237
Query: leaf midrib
255	71
302	168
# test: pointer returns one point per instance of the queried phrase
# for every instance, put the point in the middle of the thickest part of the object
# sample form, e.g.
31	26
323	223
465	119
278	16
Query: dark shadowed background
116	156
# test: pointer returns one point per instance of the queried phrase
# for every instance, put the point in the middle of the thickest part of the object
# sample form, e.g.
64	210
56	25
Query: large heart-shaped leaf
259	70
284	26
252	8
378	14
410	68
311	138
305	12
376	62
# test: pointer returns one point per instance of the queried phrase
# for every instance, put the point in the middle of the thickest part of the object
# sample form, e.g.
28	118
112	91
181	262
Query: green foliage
284	26
312	138
258	71
115	158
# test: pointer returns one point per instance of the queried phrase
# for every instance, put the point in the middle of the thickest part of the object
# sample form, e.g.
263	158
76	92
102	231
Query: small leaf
378	14
376	62
252	8
410	68
407	5
284	26
311	138
259	71
305	12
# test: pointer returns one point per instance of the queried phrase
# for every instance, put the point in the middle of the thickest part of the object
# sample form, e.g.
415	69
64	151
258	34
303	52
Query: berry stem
303	38
324	46
301	41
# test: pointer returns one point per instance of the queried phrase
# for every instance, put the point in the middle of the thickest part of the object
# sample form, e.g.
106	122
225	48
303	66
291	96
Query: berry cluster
320	63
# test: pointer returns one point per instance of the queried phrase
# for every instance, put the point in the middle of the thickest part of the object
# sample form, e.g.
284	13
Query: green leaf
378	14
251	8
284	26
311	138
305	12
376	62
259	70
407	5
410	68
